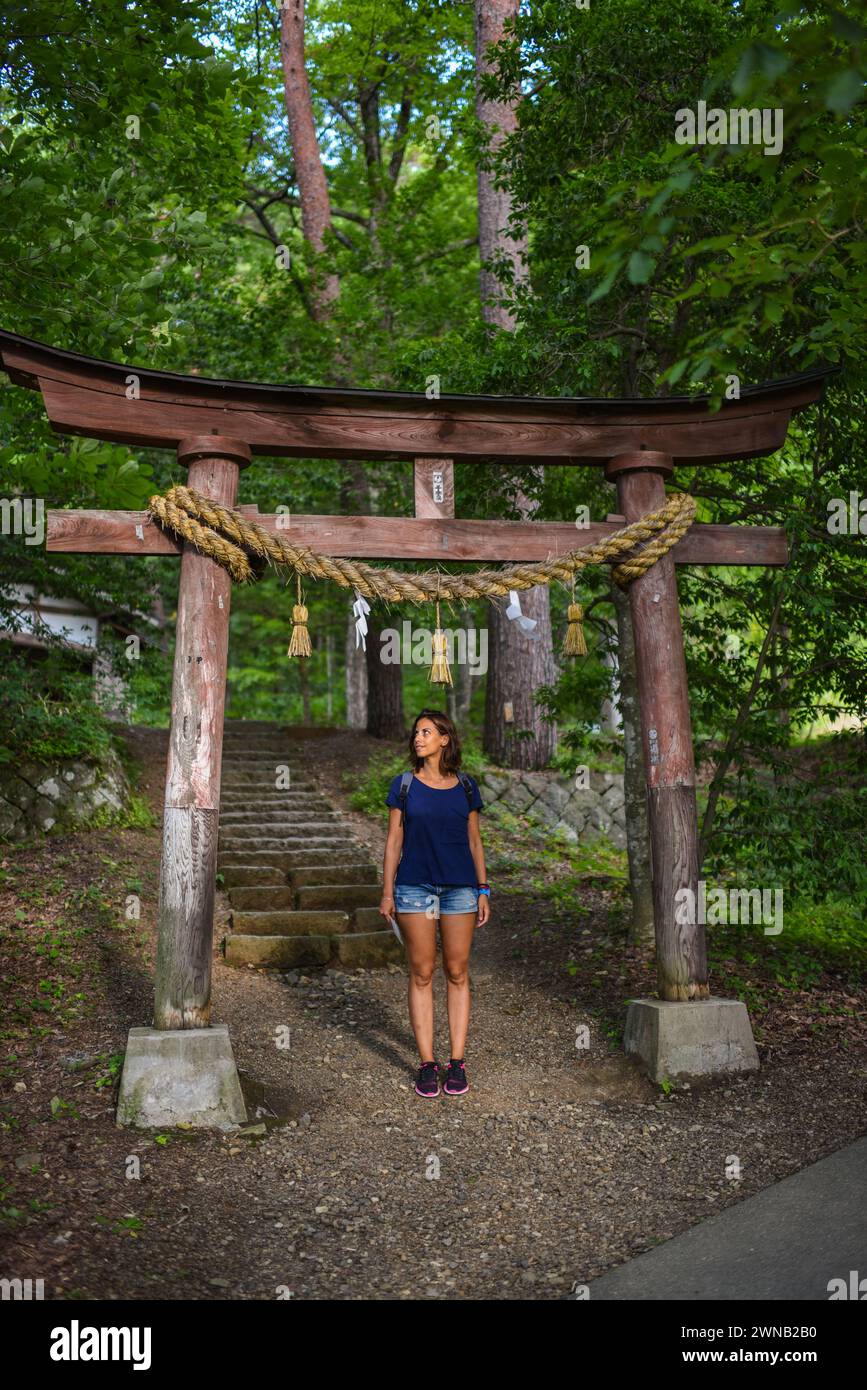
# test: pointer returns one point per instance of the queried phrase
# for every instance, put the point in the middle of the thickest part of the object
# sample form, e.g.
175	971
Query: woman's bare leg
456	931
420	934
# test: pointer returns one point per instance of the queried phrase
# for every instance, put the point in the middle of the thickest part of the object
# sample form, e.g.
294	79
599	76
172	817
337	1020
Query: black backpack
404	792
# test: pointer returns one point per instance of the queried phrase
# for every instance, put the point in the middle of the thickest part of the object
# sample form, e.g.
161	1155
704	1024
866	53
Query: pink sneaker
428	1083
456	1083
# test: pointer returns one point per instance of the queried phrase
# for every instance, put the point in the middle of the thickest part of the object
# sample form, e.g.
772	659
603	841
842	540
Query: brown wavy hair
450	756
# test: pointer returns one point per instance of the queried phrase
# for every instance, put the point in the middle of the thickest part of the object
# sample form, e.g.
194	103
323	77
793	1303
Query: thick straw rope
183	511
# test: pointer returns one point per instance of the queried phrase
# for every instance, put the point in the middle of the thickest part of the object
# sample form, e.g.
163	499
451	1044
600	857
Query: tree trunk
495	205
515	733
309	173
641	930
783	673
304	679
385	718
518	665
356	678
610	717
463	678
329	676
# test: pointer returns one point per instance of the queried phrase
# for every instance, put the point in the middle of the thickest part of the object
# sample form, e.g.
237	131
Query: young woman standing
434	867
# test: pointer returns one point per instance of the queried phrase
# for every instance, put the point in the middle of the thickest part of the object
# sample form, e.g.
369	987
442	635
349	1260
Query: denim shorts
435	899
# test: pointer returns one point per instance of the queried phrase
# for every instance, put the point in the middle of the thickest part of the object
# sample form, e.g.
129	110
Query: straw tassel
575	644
439	671
299	644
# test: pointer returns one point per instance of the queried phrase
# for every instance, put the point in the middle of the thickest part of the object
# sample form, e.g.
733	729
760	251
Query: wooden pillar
666	729
192	805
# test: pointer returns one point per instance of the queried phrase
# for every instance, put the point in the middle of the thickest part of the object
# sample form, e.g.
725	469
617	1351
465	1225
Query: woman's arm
391	859
476	847
478	853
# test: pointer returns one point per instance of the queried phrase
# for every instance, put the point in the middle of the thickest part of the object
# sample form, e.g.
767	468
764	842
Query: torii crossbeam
216	427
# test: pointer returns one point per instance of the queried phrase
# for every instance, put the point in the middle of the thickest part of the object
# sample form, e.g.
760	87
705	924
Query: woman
441	874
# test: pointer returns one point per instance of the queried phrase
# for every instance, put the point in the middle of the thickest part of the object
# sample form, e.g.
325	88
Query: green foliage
367	793
156	246
137	813
597	749
799	834
48	713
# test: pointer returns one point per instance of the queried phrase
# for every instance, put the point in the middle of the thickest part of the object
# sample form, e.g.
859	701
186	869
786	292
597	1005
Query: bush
47	712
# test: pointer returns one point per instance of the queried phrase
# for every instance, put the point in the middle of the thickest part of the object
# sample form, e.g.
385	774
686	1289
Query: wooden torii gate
216	427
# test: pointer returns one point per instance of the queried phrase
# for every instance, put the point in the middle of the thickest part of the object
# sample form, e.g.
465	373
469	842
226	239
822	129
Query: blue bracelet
486	891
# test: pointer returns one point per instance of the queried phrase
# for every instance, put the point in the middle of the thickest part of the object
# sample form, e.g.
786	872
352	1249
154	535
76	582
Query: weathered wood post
684	1032
666	729
182	1069
192	804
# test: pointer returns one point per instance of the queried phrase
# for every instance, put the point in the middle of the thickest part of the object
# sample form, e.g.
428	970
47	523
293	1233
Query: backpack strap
404	790
468	788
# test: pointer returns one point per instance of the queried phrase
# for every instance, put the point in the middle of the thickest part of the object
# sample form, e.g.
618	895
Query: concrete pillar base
683	1041
183	1075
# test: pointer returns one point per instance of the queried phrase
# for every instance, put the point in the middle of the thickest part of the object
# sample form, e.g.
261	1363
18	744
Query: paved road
786	1242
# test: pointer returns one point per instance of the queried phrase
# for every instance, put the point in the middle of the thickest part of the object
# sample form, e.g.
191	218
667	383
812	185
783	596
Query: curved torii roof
89	396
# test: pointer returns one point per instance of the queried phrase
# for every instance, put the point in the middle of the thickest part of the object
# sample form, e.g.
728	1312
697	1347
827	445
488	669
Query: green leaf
603	287
640	268
676	372
845	91
745	69
848	29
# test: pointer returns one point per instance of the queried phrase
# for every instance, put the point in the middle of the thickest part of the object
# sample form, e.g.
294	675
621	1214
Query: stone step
367	919
243	822
369	949
314	874
263	898
284	746
268	752
365	949
268	787
254	800
286	859
345	896
281	802
240	761
248	798
252	875
237	798
251	851
268	770
278	952
288	922
276	794
249	781
278	818
289	830
232	843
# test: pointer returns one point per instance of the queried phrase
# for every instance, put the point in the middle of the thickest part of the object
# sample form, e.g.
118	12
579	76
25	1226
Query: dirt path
559	1164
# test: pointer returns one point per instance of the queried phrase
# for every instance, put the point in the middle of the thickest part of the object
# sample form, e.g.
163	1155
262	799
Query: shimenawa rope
183	510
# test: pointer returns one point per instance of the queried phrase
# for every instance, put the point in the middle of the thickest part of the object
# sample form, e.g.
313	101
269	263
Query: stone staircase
302	890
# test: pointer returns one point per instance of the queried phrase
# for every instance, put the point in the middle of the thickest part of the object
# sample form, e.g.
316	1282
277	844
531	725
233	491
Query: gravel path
558	1165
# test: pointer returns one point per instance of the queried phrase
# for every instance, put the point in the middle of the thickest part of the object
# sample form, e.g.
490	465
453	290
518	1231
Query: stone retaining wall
64	796
552	799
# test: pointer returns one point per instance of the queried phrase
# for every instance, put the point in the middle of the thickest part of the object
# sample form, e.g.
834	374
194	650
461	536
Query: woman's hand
386	906
484	906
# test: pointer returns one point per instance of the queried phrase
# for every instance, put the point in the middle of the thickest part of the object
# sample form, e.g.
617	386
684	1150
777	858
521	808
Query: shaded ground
559	1164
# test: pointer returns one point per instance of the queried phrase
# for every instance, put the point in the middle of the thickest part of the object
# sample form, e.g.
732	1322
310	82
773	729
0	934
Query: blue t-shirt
436	845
